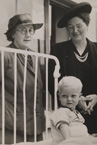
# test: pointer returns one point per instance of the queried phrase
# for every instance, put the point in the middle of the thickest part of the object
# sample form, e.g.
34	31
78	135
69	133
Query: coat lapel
69	59
29	67
22	59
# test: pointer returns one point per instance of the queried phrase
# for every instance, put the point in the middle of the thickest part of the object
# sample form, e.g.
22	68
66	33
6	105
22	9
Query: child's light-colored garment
73	119
90	140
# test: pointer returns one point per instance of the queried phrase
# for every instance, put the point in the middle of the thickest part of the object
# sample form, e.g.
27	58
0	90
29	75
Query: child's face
69	97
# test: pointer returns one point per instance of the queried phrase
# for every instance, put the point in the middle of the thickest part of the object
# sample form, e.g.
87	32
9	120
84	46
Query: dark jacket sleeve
51	67
56	50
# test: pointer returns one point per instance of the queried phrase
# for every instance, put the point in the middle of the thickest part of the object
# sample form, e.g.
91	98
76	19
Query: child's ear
58	94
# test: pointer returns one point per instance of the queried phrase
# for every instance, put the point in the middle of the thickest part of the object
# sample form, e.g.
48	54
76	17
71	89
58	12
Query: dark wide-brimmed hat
70	13
22	19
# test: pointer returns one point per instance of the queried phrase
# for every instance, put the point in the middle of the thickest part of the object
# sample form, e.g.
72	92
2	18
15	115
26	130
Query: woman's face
23	36
77	29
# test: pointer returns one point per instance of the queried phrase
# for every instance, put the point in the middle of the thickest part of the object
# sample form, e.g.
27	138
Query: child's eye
64	96
74	96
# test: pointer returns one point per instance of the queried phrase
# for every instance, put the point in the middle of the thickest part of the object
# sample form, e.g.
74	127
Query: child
66	121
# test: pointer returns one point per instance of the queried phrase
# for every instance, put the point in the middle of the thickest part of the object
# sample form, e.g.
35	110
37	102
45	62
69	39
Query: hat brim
81	7
36	26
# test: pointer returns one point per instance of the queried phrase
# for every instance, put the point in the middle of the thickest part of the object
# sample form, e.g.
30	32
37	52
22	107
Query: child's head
69	89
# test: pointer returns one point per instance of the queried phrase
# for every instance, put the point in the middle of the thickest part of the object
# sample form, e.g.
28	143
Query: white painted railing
56	75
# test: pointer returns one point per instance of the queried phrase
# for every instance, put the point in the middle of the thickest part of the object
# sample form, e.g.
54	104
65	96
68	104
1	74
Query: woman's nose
75	29
28	33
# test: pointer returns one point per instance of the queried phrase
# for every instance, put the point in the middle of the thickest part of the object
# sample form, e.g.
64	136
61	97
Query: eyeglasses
24	31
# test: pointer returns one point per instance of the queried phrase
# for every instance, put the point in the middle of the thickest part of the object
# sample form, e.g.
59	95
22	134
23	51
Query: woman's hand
82	103
92	99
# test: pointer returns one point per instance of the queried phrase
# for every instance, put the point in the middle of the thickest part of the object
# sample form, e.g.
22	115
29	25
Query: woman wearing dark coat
78	57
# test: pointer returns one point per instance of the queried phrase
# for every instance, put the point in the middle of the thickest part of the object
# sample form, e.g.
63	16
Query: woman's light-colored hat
22	19
78	8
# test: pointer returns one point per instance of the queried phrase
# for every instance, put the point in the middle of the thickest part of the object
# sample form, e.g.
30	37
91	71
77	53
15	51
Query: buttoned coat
29	91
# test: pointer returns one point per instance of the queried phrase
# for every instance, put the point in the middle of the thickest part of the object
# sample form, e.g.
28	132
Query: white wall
62	34
7	10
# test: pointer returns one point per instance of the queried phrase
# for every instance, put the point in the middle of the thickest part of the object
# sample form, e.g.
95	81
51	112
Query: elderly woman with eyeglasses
20	32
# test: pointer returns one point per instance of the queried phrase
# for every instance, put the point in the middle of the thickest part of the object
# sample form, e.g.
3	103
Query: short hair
10	34
70	81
